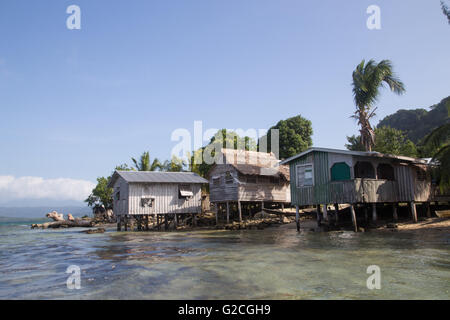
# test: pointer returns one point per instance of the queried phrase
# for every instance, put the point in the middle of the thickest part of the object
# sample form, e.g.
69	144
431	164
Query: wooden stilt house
248	177
322	176
162	195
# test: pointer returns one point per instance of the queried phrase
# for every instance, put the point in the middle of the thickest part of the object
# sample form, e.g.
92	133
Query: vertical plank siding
165	195
405	188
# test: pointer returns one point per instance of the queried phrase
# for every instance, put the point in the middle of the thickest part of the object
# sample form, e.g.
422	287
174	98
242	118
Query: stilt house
322	176
241	177
142	194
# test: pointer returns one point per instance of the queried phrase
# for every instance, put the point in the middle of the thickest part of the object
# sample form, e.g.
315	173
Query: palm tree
144	163
439	141
445	10
368	78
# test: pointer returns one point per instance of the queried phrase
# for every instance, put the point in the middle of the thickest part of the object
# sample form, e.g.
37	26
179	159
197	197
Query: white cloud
12	188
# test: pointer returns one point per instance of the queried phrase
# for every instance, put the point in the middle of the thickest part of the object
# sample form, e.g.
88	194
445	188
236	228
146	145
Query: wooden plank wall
166	199
224	191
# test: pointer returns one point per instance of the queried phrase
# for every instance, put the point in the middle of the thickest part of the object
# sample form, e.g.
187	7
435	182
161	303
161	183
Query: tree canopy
144	163
223	138
368	78
445	10
417	123
101	194
438	144
388	140
294	136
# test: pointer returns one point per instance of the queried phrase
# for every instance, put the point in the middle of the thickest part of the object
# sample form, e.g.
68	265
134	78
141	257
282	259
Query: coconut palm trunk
368	78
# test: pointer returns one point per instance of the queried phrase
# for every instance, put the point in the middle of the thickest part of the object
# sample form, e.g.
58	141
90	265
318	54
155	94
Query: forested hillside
417	123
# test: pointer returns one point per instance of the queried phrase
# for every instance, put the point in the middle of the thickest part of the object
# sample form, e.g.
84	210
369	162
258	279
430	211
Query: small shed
321	176
243	177
141	194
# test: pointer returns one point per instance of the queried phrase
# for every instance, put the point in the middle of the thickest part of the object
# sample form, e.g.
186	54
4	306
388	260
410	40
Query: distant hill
40	212
417	123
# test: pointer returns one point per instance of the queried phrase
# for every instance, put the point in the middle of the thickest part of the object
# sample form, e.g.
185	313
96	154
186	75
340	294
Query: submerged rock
94	231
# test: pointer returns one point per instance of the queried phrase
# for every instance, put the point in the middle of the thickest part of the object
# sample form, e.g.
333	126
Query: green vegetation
295	136
417	123
101	194
438	144
368	78
144	163
445	10
387	140
222	139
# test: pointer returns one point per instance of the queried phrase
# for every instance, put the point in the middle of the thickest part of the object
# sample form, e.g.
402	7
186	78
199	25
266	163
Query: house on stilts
242	178
325	177
165	196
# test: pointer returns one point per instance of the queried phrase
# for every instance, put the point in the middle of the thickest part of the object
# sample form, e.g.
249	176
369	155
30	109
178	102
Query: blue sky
75	103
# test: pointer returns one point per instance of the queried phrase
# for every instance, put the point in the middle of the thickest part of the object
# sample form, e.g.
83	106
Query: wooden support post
240	211
355	224
282	207
228	212
216	210
366	214
175	221
325	212
414	211
428	210
166	223
297	218
374	212
126	223
147	220
395	211
119	223
139	222
319	219
336	213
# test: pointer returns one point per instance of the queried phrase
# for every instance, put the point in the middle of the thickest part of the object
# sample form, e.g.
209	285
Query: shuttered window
185	191
340	171
305	175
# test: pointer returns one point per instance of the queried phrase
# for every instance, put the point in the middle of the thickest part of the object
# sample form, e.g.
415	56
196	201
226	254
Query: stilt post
428	210
228	212
119	223
336	213
395	211
297	218
374	212
325	212
240	211
216	210
414	211
355	224
319	219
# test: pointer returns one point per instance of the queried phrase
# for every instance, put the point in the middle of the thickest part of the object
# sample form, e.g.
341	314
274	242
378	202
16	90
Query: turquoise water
275	263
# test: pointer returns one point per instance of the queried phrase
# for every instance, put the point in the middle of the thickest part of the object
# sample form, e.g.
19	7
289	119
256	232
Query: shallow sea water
275	263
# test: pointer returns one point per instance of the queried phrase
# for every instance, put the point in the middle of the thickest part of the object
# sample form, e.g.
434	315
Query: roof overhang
372	154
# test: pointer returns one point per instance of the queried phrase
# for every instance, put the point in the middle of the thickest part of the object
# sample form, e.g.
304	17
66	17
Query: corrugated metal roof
354	153
157	177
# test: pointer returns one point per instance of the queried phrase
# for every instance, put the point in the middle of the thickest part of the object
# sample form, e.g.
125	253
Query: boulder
55	216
